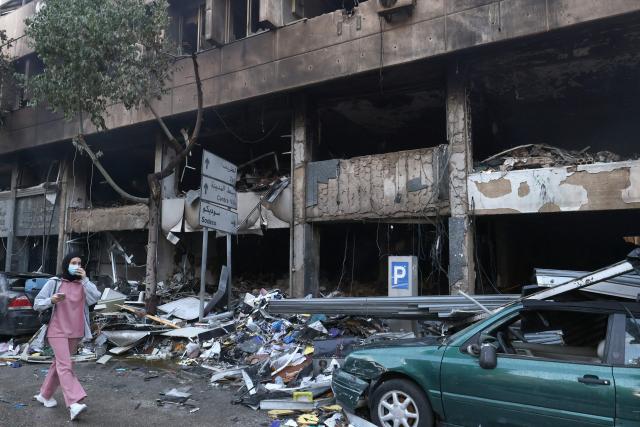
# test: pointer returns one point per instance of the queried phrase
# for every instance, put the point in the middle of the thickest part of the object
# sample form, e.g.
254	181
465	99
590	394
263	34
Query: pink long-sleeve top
68	320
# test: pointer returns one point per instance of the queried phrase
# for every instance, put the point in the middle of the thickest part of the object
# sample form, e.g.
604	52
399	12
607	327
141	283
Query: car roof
17	275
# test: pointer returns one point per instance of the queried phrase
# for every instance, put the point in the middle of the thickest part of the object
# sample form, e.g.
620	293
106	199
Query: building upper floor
252	48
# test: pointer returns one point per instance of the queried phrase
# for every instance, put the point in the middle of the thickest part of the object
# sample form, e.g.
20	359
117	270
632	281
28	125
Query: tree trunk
151	299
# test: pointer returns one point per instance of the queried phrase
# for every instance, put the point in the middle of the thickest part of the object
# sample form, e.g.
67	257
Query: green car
533	363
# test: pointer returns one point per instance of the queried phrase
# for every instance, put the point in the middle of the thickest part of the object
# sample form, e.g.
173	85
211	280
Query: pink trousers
61	372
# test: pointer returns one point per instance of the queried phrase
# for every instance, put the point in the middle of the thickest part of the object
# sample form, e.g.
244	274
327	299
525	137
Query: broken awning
256	210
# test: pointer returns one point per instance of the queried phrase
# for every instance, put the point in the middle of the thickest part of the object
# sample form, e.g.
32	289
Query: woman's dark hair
65	265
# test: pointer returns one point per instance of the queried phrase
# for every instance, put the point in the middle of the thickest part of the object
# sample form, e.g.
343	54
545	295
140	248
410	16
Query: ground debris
279	363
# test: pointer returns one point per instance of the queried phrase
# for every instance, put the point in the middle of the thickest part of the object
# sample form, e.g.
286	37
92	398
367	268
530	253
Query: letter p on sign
400	275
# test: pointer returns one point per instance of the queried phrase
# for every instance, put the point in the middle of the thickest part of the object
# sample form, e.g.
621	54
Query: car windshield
4	283
453	337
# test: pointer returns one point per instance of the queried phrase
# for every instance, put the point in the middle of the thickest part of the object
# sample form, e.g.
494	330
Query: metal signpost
218	209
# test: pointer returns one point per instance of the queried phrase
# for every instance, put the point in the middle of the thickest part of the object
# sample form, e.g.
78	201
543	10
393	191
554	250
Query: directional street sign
218	168
218	192
218	218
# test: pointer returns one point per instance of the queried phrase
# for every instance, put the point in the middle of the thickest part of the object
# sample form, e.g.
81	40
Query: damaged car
535	363
17	293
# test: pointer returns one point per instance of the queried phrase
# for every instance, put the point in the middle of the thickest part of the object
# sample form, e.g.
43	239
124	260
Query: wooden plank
149	316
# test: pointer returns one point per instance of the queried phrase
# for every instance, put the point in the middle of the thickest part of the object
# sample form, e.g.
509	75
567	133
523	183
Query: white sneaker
75	409
48	403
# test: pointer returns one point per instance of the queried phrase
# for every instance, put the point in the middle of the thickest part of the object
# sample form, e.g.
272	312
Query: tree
7	82
102	52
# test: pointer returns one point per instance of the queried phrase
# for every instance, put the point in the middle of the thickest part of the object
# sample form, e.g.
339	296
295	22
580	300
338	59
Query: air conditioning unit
388	8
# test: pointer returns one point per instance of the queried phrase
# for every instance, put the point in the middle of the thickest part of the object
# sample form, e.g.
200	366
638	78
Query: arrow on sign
206	163
206	188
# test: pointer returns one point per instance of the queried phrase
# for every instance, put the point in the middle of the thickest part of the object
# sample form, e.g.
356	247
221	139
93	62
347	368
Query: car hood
411	342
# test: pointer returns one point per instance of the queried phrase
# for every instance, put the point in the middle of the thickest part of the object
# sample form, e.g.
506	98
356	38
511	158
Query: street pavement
122	394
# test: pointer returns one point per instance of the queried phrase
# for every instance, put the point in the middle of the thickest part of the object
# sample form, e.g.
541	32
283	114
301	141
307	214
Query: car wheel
400	403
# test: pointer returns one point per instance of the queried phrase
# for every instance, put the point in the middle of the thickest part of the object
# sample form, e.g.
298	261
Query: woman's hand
56	298
81	273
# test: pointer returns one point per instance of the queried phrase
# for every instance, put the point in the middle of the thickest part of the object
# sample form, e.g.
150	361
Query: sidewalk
122	394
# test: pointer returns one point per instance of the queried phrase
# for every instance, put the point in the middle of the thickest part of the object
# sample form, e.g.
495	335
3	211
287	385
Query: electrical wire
344	259
241	139
353	261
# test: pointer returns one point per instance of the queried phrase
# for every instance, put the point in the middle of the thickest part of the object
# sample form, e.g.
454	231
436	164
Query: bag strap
56	289
58	283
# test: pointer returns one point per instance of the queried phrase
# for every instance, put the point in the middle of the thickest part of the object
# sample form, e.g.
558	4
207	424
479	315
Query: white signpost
218	209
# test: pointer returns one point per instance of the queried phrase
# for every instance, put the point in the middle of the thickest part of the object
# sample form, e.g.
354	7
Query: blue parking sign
399	275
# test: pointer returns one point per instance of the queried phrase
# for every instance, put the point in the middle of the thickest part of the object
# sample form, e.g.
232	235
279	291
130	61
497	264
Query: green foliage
6	71
97	53
6	67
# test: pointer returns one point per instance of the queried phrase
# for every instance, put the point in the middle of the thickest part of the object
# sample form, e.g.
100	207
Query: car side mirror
488	356
473	349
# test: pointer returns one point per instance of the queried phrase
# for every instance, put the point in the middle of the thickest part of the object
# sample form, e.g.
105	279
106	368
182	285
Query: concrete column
305	238
11	210
461	244
165	264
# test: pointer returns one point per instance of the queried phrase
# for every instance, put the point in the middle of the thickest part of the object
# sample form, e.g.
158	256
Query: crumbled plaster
599	186
378	186
130	217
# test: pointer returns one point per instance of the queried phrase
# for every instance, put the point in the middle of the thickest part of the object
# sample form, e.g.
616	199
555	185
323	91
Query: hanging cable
241	139
344	259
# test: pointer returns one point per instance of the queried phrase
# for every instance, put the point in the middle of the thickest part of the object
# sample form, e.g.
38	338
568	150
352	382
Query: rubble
532	156
279	363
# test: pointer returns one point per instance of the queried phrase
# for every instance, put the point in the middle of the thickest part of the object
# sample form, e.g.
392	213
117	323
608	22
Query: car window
632	342
552	334
16	283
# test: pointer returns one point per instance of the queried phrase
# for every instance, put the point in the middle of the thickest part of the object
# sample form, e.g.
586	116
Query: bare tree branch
196	70
170	167
106	175
173	142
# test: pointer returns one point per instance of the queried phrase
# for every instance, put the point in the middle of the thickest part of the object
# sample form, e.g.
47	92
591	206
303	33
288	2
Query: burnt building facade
485	137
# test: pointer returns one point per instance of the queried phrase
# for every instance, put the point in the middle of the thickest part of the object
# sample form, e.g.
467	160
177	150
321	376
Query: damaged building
485	138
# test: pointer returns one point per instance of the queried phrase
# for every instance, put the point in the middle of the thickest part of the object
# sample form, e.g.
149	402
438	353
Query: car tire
388	400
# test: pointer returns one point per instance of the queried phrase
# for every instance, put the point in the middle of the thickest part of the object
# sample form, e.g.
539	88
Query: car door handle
592	379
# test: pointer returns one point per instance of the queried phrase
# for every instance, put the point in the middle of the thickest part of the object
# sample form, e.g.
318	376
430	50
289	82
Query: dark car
17	293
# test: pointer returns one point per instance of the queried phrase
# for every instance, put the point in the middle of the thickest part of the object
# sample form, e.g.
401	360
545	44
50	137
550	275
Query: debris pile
281	364
531	156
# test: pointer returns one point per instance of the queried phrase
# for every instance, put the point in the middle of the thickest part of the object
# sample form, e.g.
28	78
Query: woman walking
70	298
